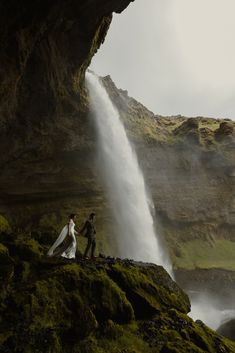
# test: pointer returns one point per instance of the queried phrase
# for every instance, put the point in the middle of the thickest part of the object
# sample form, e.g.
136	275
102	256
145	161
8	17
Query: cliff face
48	167
189	166
46	46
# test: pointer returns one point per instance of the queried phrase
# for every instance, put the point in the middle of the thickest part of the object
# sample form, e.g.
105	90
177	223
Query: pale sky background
174	56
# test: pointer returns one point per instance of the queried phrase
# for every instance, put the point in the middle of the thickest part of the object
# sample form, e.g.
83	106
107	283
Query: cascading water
124	181
128	197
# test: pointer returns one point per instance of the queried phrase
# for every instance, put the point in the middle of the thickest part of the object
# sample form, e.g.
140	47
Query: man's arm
83	228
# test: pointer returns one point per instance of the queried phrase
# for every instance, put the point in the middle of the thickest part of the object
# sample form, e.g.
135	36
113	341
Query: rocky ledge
106	305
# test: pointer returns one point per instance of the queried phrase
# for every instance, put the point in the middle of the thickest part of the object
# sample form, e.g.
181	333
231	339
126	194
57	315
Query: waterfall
123	180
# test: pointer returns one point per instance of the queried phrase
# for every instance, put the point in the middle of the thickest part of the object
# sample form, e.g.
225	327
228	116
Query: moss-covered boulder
149	288
94	288
107	305
175	332
27	249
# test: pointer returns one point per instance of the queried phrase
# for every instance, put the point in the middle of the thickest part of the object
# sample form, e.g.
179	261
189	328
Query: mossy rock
4	225
28	249
174	332
149	289
57	305
45	237
112	330
95	286
4	254
6	265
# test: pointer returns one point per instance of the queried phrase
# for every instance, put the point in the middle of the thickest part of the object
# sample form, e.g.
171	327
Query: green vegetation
4	225
149	290
57	305
202	254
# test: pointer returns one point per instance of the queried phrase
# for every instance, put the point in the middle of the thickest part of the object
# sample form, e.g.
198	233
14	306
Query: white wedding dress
68	250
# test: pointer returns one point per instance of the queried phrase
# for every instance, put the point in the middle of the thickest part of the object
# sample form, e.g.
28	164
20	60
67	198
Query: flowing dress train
65	245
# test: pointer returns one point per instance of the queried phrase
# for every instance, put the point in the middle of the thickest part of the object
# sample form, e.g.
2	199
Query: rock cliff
107	305
48	167
189	166
46	47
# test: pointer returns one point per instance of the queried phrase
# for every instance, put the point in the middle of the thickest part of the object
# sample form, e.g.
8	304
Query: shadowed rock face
48	167
228	330
46	46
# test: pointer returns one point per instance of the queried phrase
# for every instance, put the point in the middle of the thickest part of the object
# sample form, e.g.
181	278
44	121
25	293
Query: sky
174	56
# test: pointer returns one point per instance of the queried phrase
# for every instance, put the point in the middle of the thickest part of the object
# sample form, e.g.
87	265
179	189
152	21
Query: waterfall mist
208	309
124	181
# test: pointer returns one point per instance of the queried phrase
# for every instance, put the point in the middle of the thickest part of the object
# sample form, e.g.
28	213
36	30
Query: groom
90	234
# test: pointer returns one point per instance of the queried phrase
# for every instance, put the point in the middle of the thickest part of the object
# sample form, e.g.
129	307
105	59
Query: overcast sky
174	56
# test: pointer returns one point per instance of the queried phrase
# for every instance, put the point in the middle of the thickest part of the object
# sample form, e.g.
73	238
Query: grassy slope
201	254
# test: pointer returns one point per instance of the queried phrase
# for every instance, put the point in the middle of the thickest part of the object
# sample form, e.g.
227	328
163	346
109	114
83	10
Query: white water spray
124	181
208	309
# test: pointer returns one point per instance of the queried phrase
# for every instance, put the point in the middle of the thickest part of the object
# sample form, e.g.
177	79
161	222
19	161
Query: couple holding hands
66	244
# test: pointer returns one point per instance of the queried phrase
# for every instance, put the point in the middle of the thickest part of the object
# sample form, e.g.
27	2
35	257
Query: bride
65	245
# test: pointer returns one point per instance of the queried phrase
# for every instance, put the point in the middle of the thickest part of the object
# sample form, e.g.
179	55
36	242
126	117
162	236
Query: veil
58	241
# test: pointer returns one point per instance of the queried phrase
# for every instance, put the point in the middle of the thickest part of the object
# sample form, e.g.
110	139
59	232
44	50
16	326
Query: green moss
148	289
26	271
4	253
128	340
177	333
4	225
201	254
6	269
109	301
43	341
111	330
28	249
89	345
47	305
87	307
50	222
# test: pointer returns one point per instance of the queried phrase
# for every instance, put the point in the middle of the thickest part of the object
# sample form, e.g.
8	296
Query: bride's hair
72	216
